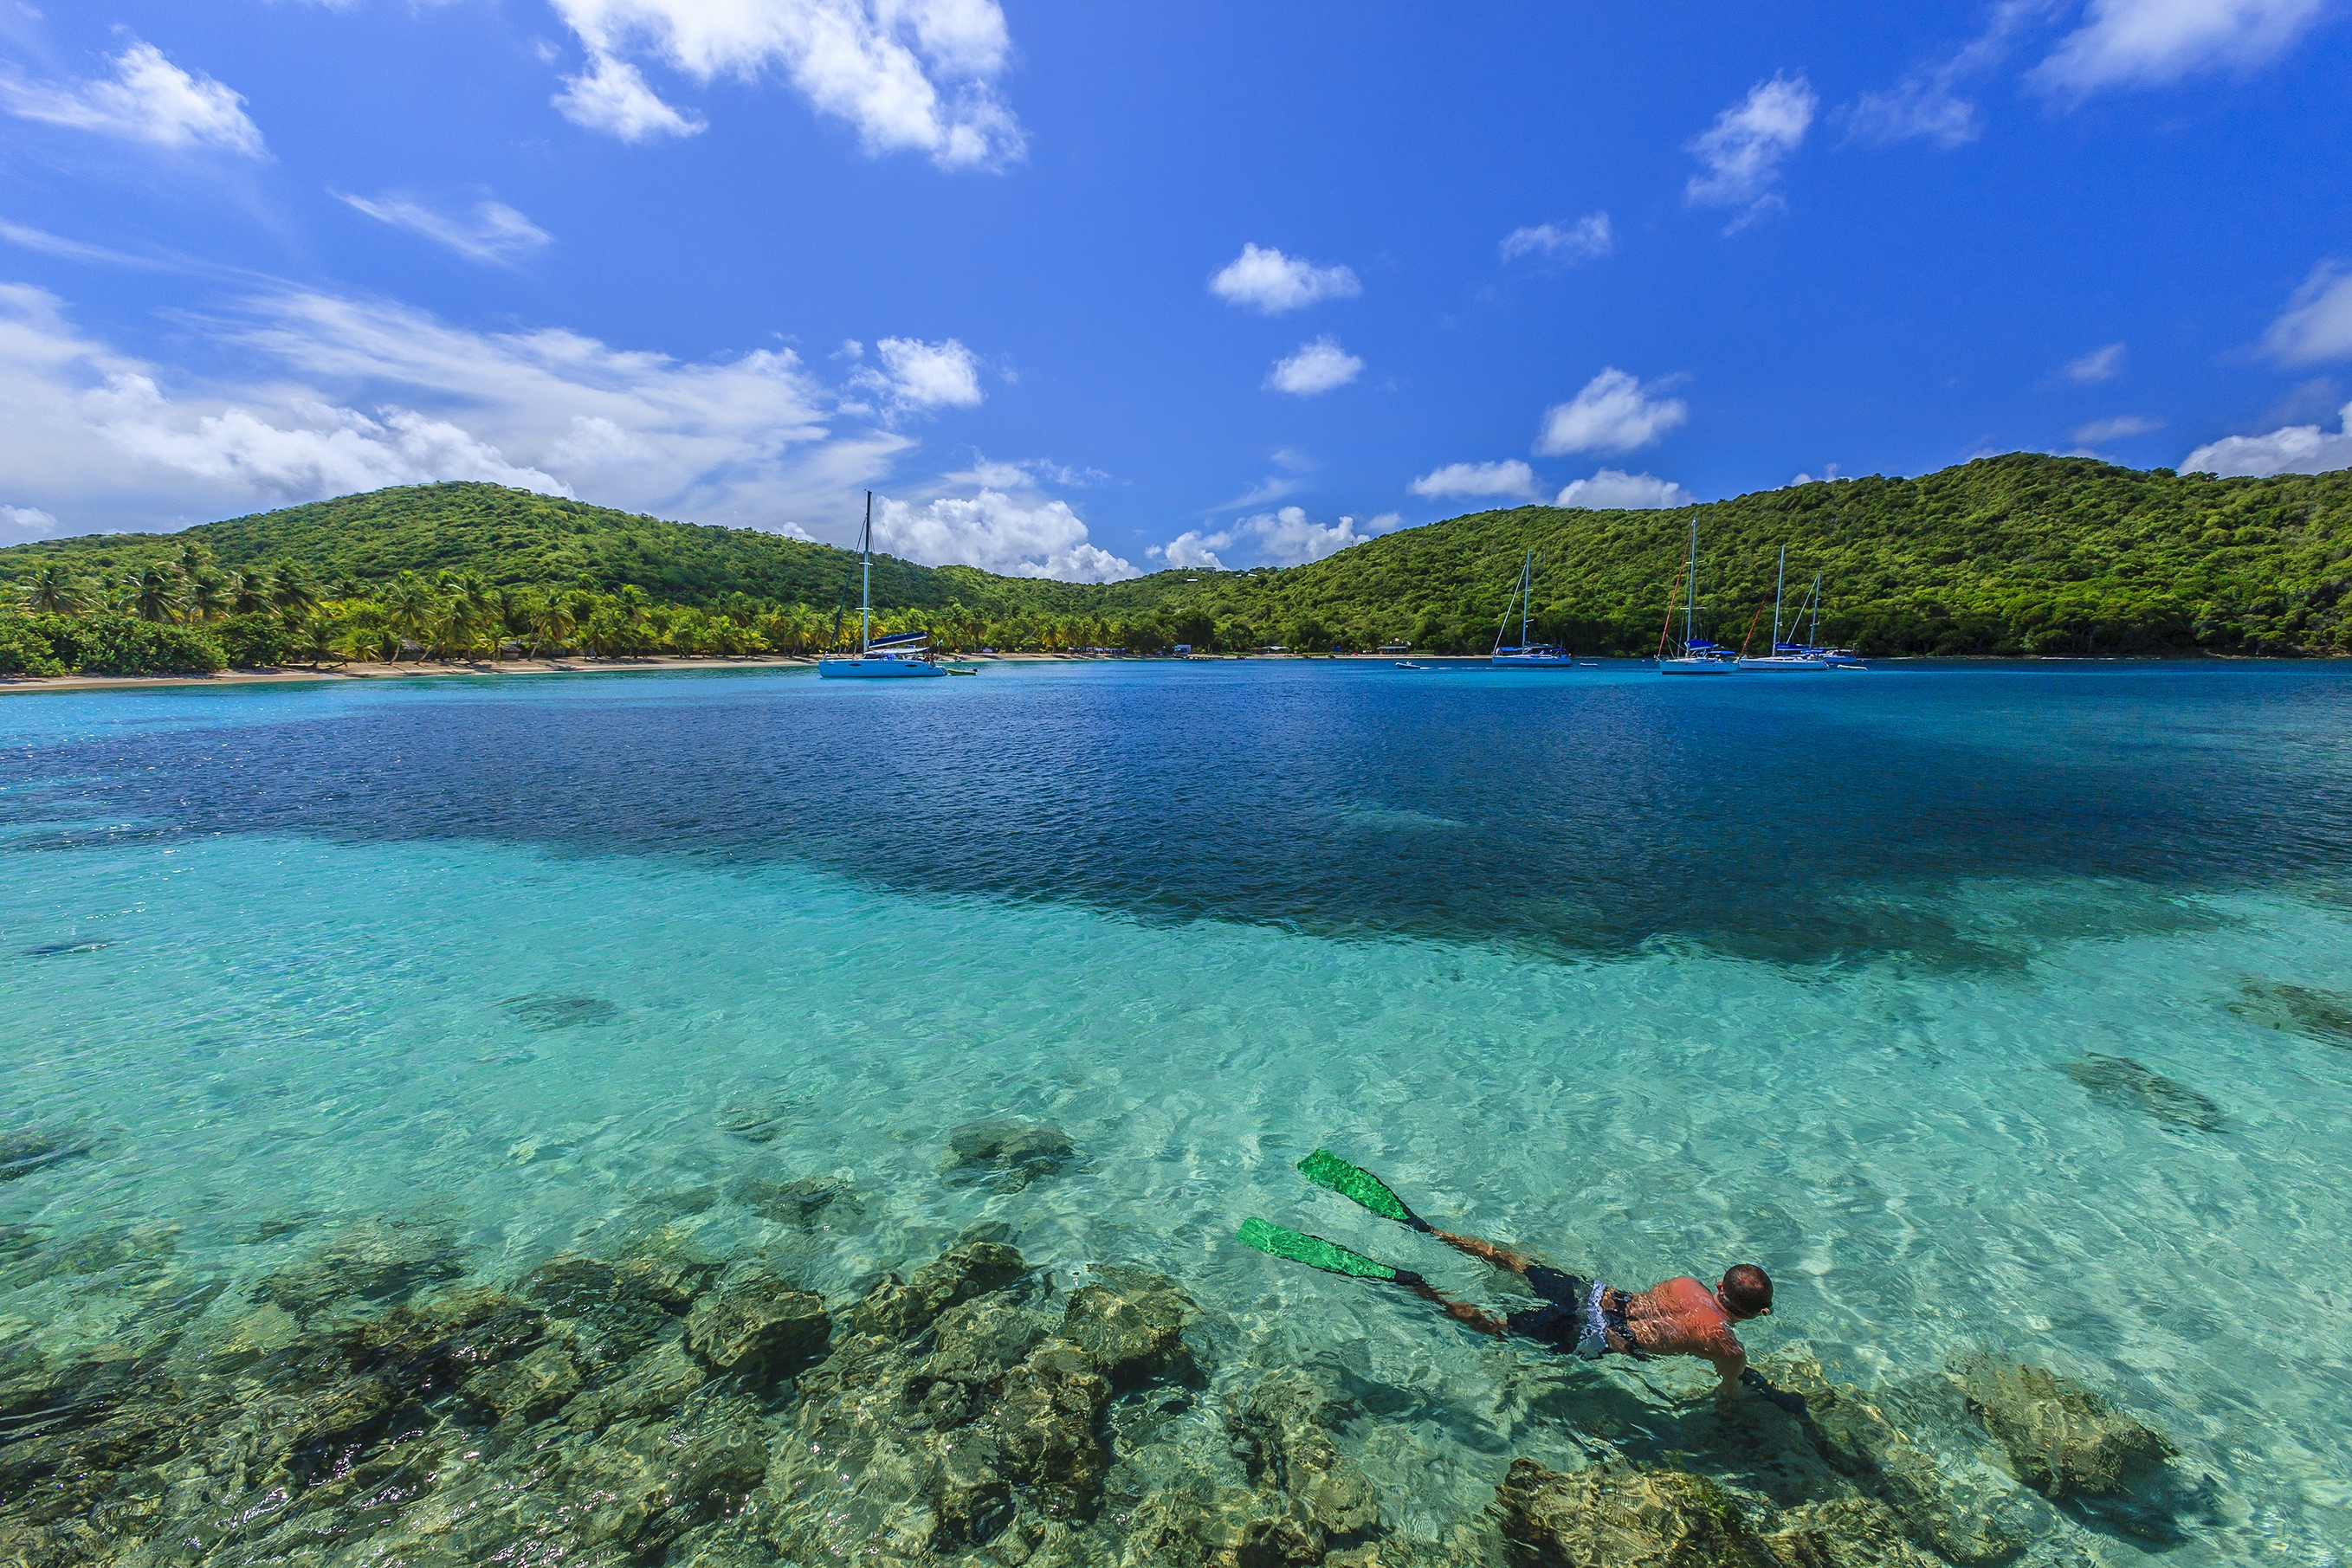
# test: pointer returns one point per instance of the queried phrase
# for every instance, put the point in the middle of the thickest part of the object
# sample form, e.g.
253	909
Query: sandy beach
414	670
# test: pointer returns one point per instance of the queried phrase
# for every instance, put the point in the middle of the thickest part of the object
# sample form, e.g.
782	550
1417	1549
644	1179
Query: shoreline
362	671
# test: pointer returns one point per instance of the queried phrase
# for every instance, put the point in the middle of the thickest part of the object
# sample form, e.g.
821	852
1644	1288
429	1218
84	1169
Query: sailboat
1697	658
1523	655
1788	658
904	654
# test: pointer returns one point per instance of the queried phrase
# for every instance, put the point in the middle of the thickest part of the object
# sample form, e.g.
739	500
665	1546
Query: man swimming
1586	1318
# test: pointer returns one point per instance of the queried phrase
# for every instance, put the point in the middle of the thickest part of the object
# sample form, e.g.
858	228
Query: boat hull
1697	667
876	669
1529	661
1781	666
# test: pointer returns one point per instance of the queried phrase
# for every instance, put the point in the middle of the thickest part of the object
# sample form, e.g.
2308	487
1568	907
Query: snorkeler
1585	1317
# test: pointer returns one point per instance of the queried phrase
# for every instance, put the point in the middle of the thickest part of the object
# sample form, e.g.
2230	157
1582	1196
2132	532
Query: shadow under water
1579	818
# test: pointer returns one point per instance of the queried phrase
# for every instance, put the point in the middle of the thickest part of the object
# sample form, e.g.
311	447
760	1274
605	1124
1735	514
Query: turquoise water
1648	980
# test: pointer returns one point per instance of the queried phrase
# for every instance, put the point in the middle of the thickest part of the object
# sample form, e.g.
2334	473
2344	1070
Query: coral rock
2061	1439
761	1329
1012	1151
1614	1516
1132	1322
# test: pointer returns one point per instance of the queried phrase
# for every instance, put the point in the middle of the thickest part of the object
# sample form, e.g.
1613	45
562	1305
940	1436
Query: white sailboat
1697	658
905	655
1788	658
1523	655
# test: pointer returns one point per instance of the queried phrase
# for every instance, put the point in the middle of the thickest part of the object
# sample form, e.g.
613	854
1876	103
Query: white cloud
1614	412
1318	367
1024	474
2147	43
149	100
1615	489
25	523
1284	537
493	232
911	74
1512	477
1922	106
1271	282
317	393
1566	244
996	533
611	96
1193	551
917	377
2098	365
337	451
1742	154
1926	105
2316	324
2296	449
2100	430
1288	538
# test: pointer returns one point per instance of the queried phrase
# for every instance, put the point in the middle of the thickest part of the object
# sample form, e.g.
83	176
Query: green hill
2020	553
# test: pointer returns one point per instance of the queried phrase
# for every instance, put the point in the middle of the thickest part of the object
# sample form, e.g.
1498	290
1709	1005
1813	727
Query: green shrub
24	651
108	643
253	641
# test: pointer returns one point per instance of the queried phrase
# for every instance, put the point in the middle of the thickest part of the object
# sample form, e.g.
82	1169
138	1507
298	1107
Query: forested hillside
2017	554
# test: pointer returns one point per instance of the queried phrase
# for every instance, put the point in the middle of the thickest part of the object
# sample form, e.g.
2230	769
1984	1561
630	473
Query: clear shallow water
1646	977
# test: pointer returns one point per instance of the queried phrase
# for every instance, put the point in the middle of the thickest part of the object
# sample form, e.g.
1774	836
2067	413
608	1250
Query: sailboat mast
1815	640
1779	583
1527	592
1694	588
866	588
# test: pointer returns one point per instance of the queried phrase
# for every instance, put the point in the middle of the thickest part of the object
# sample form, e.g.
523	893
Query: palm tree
51	591
206	596
153	592
291	591
312	638
379	643
551	622
408	600
248	591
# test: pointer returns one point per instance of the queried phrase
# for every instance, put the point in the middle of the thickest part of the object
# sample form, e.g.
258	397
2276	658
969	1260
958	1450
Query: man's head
1746	1291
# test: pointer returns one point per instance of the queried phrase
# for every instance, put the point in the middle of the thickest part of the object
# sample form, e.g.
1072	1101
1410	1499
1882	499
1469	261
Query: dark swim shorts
1572	1317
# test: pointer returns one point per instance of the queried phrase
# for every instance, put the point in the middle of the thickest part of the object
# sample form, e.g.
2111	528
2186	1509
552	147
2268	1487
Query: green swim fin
1317	1253
1325	1168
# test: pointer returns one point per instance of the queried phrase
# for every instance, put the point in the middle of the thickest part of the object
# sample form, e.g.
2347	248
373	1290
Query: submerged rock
1282	1430
29	1149
2324	1016
1615	1515
895	1311
1965	1512
1132	1321
805	1201
755	1119
544	1010
1009	1149
373	1260
2061	1439
1851	1532
758	1330
616	1309
2120	1081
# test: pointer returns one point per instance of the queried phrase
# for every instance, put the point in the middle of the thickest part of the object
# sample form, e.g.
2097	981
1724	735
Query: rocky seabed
372	1403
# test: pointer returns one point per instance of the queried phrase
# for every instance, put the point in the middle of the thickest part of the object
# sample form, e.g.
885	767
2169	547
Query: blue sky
1087	290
